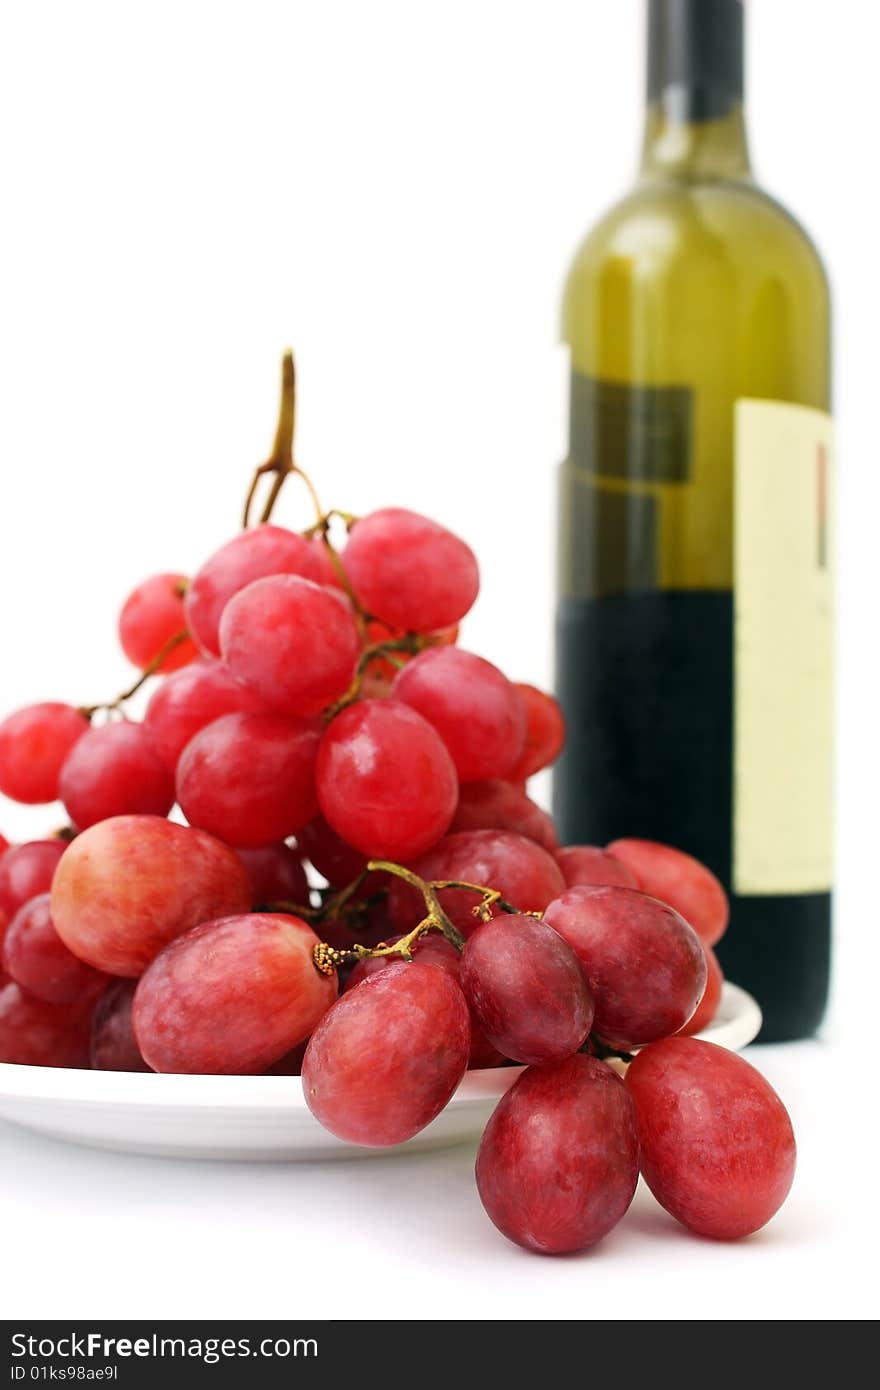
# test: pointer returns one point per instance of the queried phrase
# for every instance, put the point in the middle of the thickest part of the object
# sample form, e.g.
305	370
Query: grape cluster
364	894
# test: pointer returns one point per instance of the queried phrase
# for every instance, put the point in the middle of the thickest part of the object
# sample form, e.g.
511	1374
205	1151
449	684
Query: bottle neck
695	126
685	149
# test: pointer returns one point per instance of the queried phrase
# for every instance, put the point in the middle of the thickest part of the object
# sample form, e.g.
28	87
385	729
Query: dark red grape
114	771
34	743
523	873
708	1005
25	871
128	886
409	571
717	1146
232	996
37	959
526	989
385	1060
681	881
366	924
329	854
151	615
291	1063
545	733
36	1034
482	1054
114	1047
251	555
340	865
276	874
499	805
644	964
475	709
250	778
386	783
294	642
190	699
558	1163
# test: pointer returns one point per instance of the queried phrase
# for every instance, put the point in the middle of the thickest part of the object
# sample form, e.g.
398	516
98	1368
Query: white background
395	188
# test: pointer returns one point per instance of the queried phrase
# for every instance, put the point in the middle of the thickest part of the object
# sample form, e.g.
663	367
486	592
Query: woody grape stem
328	958
280	462
89	711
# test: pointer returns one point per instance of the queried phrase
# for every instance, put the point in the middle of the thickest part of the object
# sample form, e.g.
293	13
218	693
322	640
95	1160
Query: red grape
38	960
499	805
409	571
36	1034
114	1047
231	996
386	783
25	871
526	989
681	881
708	1005
432	949
34	742
151	615
367	925
294	642
717	1146
251	555
545	733
644	964
475	709
276	874
385	1060
128	886
329	854
340	865
523	873
113	771
188	700
250	778
291	1063
558	1163
588	866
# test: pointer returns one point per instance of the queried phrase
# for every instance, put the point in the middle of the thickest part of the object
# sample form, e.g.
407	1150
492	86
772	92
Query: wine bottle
694	620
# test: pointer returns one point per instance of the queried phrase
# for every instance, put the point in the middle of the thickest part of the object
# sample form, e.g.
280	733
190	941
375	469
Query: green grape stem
410	645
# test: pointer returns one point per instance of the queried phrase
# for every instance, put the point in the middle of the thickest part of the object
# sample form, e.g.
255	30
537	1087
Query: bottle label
782	812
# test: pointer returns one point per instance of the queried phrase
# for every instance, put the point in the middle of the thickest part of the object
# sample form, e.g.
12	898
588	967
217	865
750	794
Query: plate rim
123	1089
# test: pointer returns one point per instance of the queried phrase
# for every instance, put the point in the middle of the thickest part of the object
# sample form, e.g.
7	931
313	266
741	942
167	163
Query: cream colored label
783	655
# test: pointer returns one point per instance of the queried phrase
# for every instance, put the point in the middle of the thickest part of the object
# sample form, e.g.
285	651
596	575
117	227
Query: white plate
253	1117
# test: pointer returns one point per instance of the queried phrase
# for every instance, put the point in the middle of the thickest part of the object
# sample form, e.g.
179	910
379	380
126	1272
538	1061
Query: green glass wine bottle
694	621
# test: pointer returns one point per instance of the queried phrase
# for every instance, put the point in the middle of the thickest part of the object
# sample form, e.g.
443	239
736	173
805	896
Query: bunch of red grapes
364	894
